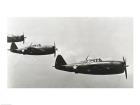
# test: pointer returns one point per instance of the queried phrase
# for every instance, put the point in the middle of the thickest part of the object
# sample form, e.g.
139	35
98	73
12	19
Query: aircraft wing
20	49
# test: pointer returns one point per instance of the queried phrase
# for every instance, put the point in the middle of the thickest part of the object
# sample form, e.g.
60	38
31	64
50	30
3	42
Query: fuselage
36	50
96	68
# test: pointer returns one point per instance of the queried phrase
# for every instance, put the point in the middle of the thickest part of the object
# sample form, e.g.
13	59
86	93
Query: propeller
55	49
24	38
124	65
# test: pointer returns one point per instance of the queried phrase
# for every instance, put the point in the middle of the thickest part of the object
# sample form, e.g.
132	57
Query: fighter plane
15	38
34	49
94	66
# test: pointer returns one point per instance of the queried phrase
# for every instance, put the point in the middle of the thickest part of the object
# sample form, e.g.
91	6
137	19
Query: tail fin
13	46
59	61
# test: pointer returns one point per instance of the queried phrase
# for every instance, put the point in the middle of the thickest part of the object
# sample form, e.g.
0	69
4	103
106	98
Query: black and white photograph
70	52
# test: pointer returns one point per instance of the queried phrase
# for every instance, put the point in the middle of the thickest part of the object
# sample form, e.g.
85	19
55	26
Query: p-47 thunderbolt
93	66
34	49
15	38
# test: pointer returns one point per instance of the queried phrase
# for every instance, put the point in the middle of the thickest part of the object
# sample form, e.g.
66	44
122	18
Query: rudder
13	46
59	61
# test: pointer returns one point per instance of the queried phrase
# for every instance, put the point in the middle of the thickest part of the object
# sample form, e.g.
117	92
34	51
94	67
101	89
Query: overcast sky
75	38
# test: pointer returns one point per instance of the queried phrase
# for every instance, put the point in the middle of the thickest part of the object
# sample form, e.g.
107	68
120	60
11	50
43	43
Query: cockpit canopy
36	45
95	60
92	60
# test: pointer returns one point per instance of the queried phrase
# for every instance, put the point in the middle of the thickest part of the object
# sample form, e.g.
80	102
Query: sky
109	38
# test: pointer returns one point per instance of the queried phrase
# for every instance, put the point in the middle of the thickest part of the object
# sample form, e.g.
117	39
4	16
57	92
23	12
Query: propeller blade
55	53
24	38
54	50
125	72
124	60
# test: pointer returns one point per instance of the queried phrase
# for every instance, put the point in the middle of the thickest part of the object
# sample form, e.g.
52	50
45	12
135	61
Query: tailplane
13	46
59	61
